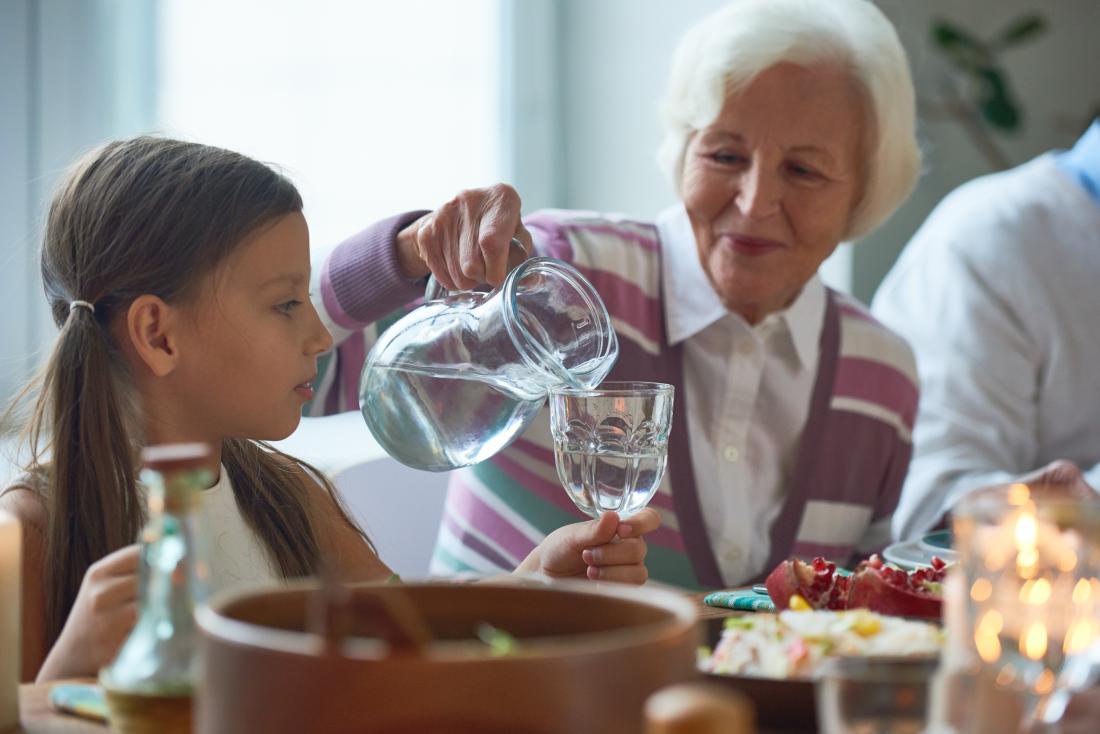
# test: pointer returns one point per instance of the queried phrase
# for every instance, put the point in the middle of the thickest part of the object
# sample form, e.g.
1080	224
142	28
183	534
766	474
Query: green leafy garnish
738	623
500	643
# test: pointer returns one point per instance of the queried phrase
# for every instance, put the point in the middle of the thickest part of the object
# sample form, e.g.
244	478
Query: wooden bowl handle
335	609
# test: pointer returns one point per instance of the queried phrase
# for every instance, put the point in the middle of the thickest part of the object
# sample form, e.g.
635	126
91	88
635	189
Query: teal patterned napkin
80	699
744	600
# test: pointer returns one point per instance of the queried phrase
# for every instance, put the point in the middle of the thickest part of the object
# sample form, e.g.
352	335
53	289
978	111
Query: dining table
37	716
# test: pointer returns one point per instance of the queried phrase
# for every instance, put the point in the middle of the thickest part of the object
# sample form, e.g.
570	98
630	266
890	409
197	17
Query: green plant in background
990	104
978	60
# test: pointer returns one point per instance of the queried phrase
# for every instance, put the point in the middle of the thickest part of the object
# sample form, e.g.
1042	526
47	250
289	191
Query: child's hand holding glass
602	550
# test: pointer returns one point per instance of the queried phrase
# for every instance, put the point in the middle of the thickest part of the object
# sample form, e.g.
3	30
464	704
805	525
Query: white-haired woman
790	128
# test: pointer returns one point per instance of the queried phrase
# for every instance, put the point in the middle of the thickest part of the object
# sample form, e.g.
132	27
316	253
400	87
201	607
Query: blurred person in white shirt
997	295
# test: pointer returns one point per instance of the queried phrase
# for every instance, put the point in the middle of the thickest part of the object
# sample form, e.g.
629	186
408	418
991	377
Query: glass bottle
150	682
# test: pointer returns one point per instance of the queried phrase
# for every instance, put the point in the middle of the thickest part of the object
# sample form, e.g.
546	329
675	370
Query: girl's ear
151	326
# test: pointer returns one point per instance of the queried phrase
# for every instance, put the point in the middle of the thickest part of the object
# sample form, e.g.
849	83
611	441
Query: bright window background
371	108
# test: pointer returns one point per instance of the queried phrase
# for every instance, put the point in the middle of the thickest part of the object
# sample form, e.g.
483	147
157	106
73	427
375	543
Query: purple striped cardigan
852	458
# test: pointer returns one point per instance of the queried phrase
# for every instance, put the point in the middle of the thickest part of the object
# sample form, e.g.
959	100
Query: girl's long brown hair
146	215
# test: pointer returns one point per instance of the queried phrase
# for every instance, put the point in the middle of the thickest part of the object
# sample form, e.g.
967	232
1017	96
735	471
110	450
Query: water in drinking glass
611	444
606	480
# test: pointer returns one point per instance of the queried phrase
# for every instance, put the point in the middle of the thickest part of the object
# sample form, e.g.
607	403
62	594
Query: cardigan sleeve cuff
361	281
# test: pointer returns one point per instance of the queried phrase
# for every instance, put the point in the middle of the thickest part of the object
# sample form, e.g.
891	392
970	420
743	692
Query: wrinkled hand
601	550
466	242
1059	478
101	618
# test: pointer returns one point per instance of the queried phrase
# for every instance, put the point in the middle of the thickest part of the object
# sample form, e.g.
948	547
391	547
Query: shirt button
731	454
734	555
746	348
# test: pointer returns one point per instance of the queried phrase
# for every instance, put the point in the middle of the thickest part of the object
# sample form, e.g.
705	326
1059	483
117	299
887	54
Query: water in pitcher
606	480
438	419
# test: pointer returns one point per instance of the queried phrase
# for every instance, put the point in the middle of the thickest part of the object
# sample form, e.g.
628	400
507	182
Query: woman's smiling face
770	185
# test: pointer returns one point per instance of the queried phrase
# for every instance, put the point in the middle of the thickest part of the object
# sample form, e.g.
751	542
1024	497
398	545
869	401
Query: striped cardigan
852	458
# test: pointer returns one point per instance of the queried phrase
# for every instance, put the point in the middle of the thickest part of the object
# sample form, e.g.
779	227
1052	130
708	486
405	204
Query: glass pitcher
458	378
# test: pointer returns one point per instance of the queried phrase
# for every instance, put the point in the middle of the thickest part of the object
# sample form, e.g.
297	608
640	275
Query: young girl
179	275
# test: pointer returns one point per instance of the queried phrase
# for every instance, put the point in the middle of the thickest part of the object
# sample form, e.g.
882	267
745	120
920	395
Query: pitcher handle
434	291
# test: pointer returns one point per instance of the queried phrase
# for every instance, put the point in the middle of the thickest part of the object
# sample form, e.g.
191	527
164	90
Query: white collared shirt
748	391
997	294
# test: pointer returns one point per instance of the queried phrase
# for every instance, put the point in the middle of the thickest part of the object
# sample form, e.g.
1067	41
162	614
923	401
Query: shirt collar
1082	161
805	319
692	305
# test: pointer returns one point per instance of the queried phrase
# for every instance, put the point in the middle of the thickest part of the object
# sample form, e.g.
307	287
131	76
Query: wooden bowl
586	658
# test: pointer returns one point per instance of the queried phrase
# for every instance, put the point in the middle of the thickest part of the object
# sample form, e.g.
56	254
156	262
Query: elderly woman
790	127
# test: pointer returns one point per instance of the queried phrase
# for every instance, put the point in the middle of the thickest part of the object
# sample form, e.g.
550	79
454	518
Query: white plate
912	554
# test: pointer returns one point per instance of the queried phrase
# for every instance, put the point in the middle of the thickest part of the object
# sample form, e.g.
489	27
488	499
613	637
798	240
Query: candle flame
985	636
1026	530
1080	636
1027	553
992	622
1035	592
1082	592
1027	562
988	646
1033	643
981	590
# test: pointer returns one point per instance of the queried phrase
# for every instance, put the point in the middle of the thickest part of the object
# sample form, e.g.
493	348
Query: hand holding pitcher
465	242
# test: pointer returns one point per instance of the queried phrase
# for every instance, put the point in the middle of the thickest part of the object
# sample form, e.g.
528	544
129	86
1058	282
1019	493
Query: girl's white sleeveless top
236	555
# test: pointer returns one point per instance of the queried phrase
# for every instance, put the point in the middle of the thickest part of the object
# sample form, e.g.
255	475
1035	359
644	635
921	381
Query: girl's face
248	352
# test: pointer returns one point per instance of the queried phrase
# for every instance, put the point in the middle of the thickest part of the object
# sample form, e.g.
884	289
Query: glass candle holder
1031	567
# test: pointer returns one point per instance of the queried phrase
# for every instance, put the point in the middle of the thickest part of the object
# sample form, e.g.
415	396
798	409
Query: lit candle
11	545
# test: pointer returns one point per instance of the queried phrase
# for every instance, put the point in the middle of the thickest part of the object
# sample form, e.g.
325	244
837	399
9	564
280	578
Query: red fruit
816	582
875	585
888	590
838	598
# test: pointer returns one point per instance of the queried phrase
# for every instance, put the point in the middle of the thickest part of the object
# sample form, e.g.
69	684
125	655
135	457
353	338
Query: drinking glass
875	695
1031	563
611	444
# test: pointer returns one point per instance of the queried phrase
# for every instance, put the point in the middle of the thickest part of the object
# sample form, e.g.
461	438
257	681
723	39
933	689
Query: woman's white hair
726	50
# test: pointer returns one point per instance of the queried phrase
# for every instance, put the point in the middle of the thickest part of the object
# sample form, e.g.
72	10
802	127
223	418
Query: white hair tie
73	305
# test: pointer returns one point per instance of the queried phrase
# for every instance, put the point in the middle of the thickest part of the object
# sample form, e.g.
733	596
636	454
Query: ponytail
92	501
141	216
